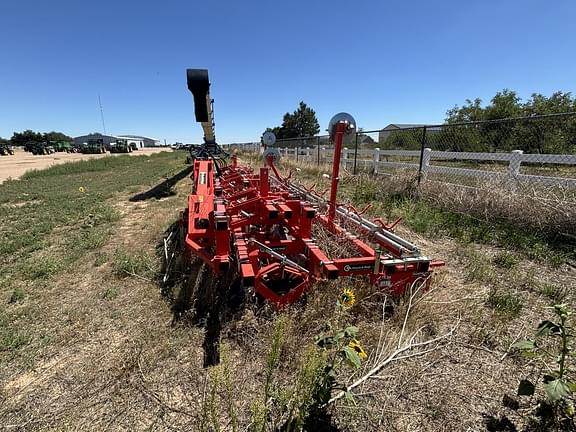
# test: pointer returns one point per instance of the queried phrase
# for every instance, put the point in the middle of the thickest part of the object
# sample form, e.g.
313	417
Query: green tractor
120	146
6	149
40	148
63	146
93	146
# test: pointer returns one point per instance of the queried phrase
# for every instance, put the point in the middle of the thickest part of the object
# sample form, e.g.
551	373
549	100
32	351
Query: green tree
551	135
504	104
541	135
559	102
301	123
276	131
21	138
56	136
471	111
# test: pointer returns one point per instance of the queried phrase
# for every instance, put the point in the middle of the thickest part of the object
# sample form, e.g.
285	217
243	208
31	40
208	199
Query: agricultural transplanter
259	225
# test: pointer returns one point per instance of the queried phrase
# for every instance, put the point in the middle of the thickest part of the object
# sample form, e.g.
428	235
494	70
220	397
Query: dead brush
335	246
547	210
366	188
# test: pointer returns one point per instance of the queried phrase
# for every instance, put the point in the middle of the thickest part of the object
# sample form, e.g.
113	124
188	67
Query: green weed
505	303
478	268
506	260
111	293
558	383
12	339
100	259
365	190
17	295
125	264
554	292
42	267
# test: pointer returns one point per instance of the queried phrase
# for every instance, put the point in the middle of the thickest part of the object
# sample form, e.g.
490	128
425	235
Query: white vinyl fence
435	162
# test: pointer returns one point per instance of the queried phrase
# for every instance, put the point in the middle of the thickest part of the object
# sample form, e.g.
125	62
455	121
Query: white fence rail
375	161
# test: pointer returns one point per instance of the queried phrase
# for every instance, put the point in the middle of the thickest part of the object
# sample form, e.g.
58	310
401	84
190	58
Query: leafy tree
504	104
543	135
301	123
559	102
471	111
405	139
56	136
276	131
21	138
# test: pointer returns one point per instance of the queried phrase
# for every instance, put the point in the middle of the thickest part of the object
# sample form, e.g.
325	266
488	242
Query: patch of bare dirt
14	166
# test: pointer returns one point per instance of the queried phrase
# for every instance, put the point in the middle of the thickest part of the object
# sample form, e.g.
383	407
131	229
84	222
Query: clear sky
382	61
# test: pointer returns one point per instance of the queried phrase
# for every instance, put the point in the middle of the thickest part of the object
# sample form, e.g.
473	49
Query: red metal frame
265	230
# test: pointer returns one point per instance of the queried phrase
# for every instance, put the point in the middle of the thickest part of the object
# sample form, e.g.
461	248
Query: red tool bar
340	131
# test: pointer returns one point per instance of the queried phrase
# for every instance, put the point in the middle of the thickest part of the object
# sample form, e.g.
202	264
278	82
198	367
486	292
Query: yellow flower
348	298
355	345
81	189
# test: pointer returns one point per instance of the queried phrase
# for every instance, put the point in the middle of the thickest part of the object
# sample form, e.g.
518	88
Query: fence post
424	164
422	145
297	151
307	154
345	157
318	150
355	153
514	165
376	159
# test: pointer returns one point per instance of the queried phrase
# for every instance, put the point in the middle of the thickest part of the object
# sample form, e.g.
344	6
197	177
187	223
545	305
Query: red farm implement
257	227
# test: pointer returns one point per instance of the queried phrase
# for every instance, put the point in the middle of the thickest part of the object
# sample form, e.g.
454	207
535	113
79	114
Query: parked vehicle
6	150
40	148
93	146
63	146
120	146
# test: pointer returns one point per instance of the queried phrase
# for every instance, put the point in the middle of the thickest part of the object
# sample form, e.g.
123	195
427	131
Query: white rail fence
376	161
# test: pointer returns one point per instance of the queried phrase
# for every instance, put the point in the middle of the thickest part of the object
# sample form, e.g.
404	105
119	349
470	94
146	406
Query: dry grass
549	210
95	350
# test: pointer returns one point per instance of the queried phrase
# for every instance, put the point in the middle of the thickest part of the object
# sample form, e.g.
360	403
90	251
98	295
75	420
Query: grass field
87	341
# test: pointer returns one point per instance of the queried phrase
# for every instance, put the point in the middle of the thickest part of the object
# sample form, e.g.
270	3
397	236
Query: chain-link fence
521	170
538	150
247	147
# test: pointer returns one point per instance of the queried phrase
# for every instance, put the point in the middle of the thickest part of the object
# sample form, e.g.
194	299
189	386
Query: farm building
140	141
146	141
394	127
365	140
84	138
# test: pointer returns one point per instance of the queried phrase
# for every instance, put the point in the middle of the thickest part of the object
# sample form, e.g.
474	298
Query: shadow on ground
163	189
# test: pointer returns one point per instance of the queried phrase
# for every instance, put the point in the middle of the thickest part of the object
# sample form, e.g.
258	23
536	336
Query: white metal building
141	141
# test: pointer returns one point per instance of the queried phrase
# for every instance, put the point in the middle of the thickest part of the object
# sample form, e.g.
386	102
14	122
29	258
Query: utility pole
102	114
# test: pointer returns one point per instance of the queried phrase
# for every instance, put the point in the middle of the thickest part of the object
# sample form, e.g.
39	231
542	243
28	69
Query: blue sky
383	62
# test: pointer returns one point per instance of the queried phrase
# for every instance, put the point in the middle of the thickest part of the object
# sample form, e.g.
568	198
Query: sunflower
81	189
348	298
355	345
